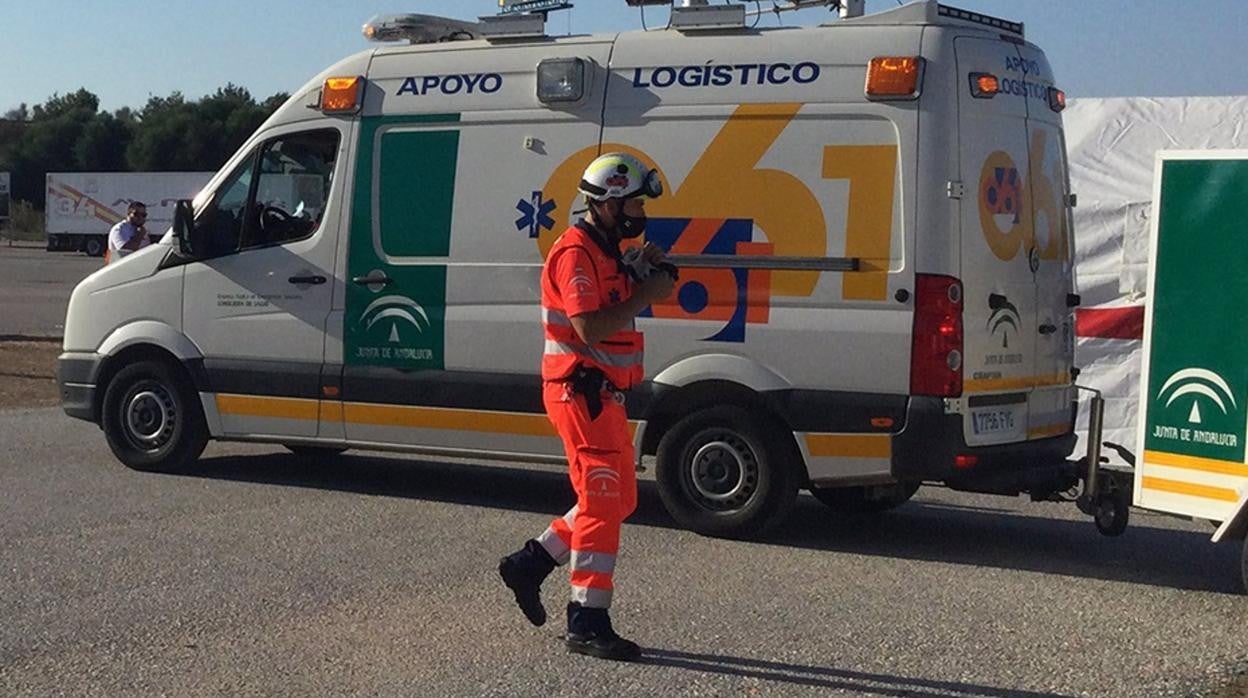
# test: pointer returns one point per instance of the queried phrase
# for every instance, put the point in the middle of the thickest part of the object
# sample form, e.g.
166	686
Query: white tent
1111	144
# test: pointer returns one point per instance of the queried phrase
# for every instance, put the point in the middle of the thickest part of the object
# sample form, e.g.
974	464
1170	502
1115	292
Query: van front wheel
723	472
152	418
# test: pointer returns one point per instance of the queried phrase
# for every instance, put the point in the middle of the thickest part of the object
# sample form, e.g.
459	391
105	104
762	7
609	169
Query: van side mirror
184	228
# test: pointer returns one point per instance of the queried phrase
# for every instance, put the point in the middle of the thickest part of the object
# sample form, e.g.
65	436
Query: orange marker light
894	77
342	95
984	85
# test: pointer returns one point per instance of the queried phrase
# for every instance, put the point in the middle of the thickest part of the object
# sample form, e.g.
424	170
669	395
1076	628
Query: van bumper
926	448
76	377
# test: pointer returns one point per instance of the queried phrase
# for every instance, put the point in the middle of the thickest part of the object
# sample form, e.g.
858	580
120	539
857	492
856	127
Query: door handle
1048	329
996	301
379	280
315	280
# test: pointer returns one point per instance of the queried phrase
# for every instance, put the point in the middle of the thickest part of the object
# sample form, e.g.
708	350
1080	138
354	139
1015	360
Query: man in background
130	234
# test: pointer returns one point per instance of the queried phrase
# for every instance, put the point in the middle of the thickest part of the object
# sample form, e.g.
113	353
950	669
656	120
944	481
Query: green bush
25	223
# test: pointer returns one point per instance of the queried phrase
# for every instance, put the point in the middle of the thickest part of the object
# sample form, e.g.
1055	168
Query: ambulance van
871	219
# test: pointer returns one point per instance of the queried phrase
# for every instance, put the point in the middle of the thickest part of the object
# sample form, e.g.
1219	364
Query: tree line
69	133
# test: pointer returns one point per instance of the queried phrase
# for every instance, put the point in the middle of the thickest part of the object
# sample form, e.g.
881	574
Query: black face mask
631	226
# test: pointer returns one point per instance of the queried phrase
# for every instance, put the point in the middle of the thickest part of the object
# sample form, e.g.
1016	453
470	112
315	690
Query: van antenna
845	8
527	7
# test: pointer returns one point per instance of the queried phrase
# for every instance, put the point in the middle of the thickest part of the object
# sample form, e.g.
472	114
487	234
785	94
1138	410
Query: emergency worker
591	295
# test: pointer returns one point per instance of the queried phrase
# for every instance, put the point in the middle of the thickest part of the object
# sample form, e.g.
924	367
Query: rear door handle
1048	329
314	280
374	279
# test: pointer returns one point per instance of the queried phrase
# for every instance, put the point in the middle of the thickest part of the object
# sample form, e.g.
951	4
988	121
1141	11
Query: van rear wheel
152	418
724	472
861	500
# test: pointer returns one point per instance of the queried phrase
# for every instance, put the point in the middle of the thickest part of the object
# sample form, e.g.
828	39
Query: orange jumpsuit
583	274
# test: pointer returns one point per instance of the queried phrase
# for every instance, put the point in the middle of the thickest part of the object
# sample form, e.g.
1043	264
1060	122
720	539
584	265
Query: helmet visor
652	185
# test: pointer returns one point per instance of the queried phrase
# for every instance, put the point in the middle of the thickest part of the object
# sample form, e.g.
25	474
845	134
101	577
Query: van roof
424	30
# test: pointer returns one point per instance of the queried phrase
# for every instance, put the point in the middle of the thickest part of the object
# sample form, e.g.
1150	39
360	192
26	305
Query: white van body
405	316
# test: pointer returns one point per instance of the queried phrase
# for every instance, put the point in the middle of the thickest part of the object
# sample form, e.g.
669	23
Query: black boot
590	632
523	572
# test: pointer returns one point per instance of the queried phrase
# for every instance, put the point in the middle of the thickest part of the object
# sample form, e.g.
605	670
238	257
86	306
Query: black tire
725	472
315	452
152	418
855	500
1113	511
94	247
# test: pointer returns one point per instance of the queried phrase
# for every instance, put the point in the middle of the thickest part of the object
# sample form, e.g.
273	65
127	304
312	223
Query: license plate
993	422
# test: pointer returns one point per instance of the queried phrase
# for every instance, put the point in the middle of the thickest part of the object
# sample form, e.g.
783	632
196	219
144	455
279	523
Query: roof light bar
977	18
420	29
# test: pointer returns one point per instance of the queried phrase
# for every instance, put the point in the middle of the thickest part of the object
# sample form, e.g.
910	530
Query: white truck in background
83	206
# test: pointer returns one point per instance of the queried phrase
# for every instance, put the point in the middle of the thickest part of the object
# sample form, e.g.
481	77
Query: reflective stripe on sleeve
555	317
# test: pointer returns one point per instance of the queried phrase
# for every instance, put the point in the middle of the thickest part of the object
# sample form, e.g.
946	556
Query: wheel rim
1106	513
148	416
722	473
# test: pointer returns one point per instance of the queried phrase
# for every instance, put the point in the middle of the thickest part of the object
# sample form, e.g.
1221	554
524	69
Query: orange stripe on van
988	384
1190	490
256	406
869	219
1206	465
450	419
520	424
850	445
331	412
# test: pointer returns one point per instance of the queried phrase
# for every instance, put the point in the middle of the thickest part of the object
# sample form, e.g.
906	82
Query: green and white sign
400	236
1197	343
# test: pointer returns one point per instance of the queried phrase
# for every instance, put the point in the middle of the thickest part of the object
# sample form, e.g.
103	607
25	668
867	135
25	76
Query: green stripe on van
362	203
401	209
417	188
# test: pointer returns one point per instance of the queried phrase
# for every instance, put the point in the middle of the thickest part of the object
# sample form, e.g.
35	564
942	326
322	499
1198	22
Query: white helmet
619	176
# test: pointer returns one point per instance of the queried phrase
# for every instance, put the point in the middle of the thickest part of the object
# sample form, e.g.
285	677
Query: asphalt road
266	574
35	287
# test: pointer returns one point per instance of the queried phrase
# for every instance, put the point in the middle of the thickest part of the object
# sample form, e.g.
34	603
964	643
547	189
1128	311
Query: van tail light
1057	100
936	356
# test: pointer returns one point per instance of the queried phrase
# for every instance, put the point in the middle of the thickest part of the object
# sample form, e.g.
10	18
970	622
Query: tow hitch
1106	495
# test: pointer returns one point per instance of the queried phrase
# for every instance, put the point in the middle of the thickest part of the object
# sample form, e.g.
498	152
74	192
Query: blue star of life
535	214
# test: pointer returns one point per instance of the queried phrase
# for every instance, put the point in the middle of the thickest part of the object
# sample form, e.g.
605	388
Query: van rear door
1000	317
1048	183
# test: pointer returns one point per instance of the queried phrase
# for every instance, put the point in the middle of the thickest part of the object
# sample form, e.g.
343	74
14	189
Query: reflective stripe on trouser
601	467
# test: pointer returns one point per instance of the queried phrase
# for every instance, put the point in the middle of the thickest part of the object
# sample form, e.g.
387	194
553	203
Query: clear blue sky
127	50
